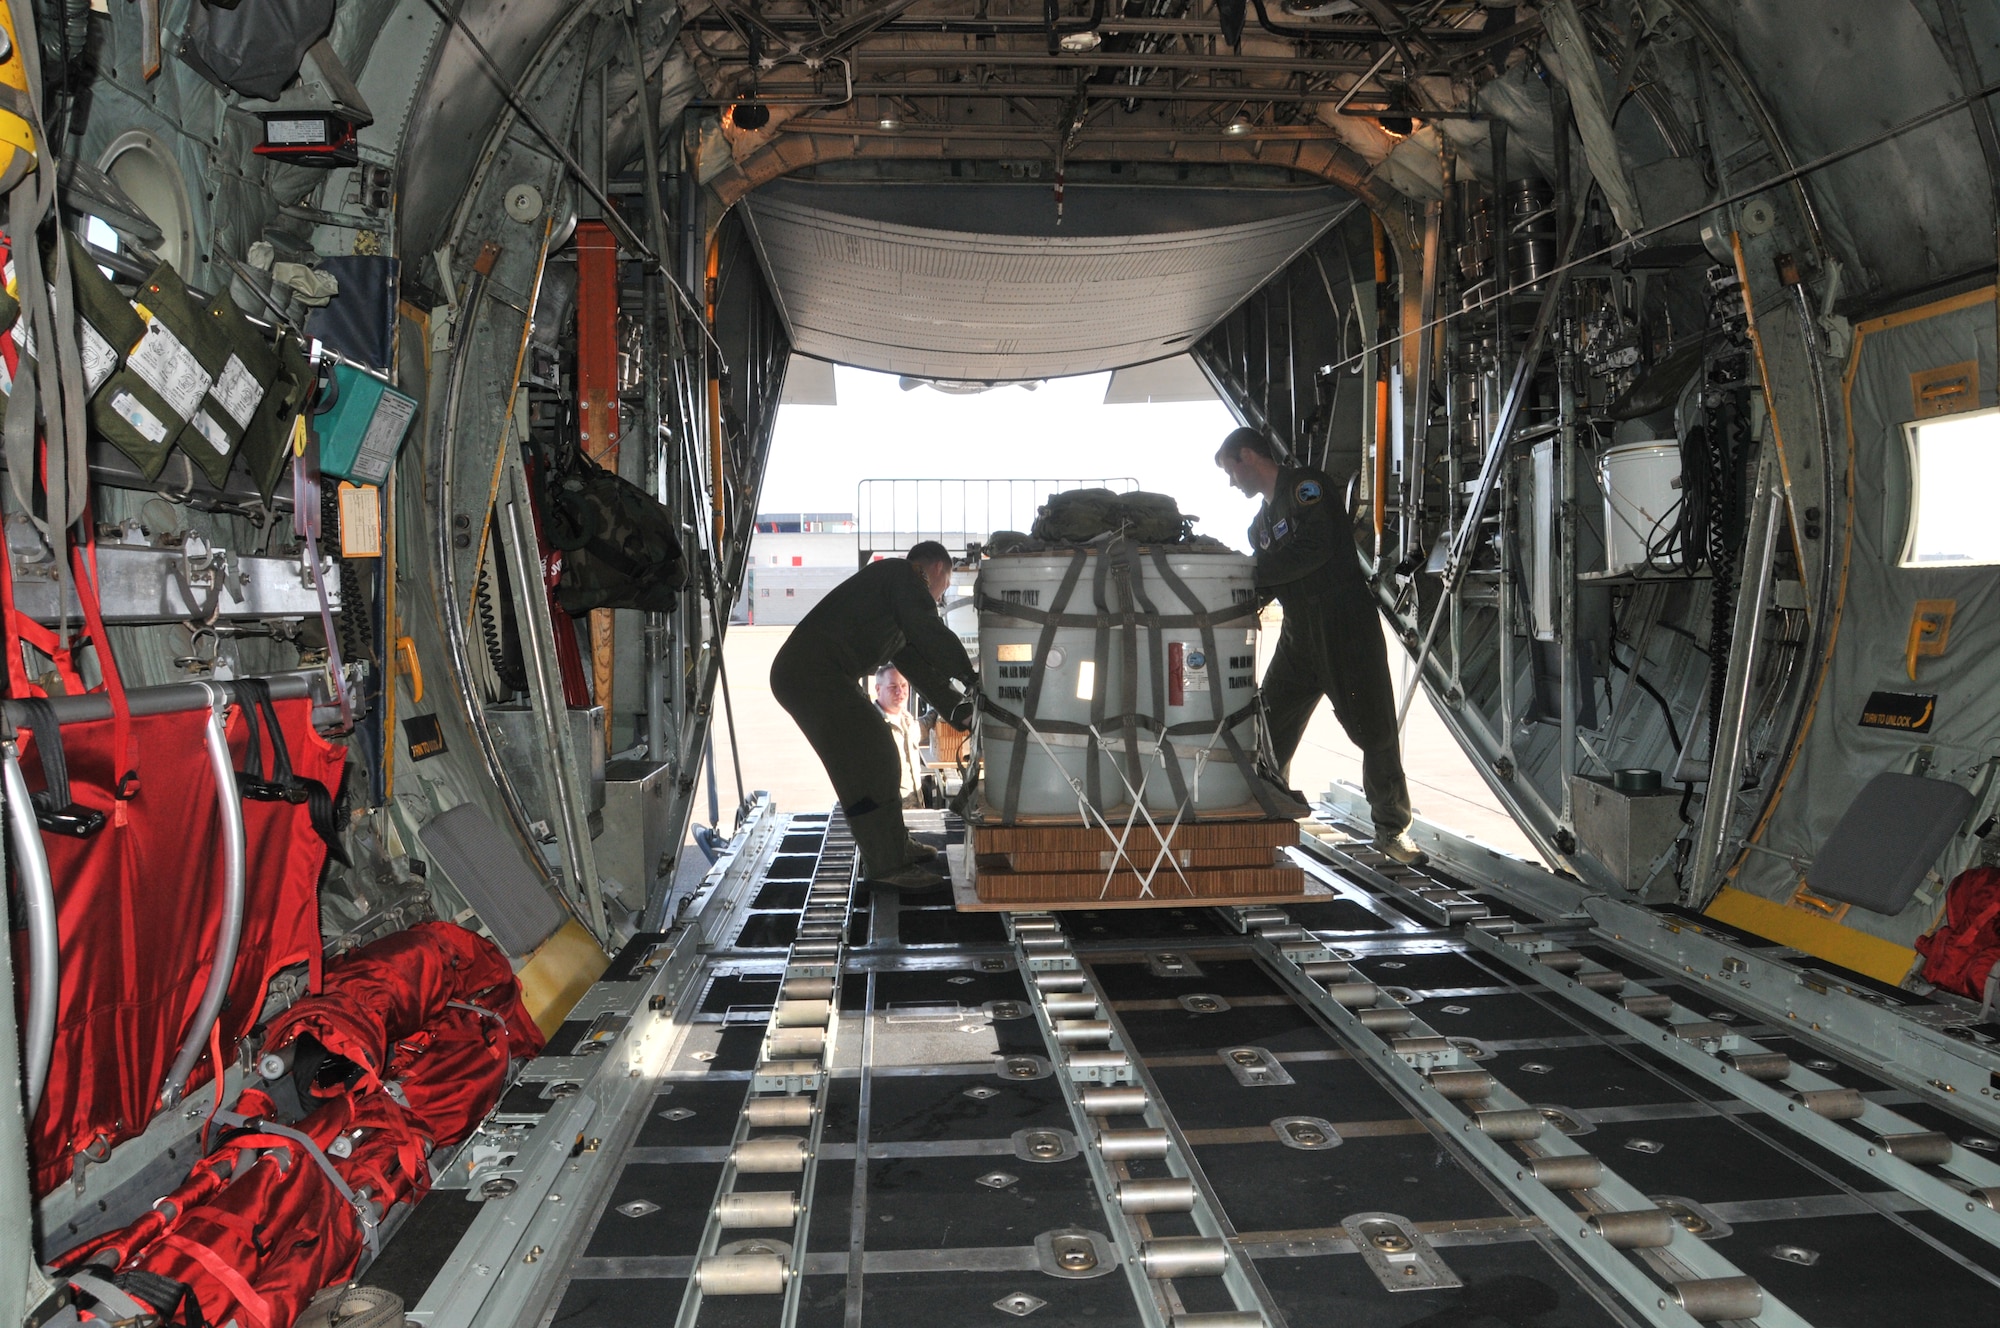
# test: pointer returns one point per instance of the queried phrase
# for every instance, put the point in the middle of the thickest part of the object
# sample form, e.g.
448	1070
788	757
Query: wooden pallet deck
1071	866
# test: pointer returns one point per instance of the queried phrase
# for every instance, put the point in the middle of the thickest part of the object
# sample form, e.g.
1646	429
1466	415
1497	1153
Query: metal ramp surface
1381	1108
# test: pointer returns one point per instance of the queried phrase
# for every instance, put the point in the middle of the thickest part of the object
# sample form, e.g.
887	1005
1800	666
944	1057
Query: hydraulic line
1573	260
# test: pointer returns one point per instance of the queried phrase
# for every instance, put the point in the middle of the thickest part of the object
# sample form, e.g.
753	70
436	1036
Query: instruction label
1911	712
385	434
170	369
205	425
239	392
134	412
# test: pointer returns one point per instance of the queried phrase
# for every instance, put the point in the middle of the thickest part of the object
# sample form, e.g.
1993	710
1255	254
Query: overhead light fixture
1078	43
888	124
750	116
1398	126
1239	126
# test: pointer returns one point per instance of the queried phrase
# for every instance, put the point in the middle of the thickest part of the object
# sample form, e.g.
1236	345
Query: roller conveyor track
1408	1101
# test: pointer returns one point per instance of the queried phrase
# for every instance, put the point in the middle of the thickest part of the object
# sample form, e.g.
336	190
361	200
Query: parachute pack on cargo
1078	516
620	549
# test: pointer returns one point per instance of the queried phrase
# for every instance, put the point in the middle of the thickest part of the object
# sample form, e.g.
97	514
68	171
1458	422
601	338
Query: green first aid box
360	434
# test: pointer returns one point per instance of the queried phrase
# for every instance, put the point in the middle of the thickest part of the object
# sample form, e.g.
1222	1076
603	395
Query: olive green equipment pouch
267	443
125	408
106	323
236	397
188	369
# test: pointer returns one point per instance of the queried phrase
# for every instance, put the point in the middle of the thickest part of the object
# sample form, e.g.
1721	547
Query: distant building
795	558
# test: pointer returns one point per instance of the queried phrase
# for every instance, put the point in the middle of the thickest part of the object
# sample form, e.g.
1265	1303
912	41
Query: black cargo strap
1139	609
1119	559
138	1296
285	785
1011	799
1101	655
368	1221
56	811
1054	617
1226	726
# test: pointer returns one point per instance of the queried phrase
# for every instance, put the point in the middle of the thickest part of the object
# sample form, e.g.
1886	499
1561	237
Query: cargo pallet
1052	864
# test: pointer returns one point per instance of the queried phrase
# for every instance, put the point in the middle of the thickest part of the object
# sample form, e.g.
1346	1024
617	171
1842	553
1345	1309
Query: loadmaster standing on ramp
1331	644
886	613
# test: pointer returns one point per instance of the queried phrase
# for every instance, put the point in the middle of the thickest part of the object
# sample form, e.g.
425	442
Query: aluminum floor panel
926	1212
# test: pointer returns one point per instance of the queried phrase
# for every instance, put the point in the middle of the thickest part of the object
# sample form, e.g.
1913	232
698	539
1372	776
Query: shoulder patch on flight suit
1307	492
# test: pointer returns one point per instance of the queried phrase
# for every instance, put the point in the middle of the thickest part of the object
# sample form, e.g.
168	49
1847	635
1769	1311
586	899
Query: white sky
1060	430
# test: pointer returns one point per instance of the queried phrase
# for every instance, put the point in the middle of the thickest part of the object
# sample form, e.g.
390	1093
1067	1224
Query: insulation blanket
1839	752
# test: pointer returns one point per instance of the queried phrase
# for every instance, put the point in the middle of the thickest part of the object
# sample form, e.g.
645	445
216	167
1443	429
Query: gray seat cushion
1887	841
485	865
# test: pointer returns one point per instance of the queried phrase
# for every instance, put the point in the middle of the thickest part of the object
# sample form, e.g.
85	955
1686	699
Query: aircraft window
145	170
98	231
1954	469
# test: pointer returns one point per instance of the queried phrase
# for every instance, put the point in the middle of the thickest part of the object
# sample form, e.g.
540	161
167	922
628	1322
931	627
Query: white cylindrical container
1642	489
1180	680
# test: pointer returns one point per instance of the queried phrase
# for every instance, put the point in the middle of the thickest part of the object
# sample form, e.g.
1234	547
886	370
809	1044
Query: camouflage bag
620	548
1079	515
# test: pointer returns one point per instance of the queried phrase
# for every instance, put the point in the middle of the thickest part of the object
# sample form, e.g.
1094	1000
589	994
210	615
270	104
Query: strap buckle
74	821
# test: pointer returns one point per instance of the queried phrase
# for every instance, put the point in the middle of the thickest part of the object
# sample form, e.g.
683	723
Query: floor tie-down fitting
1664	1272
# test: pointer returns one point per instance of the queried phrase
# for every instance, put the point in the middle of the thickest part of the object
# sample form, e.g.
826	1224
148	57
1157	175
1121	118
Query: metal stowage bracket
1906	1051
1130	1120
1790	1094
1489	1125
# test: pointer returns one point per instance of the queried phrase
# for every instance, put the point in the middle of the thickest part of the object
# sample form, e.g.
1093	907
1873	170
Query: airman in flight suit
1331	643
886	613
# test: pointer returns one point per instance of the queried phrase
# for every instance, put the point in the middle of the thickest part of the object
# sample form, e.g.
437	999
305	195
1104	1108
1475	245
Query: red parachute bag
288	832
391	989
287	1219
1960	955
451	1072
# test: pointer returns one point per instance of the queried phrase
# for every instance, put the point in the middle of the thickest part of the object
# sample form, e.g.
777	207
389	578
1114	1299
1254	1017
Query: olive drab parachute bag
248	368
107	326
185	367
267	444
620	548
144	404
1077	516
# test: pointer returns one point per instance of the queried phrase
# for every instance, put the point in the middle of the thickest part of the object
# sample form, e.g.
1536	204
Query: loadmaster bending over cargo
1331	644
886	613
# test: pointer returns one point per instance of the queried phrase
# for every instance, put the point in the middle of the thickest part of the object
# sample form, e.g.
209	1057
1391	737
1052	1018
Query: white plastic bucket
1193	687
1642	489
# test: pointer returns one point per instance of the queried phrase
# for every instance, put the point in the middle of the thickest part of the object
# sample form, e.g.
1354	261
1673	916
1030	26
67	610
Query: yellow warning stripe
1817	935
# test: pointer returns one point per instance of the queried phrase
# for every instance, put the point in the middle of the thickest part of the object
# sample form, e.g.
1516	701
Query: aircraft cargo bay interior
455	492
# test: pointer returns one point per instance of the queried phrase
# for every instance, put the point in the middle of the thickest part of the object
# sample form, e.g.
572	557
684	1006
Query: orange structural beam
597	404
597	340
